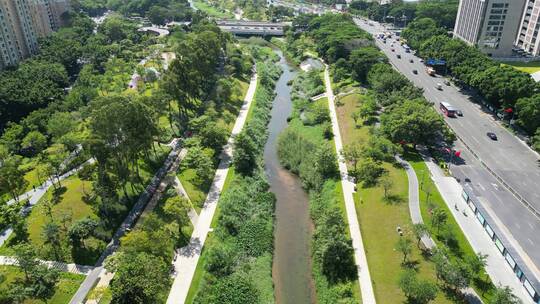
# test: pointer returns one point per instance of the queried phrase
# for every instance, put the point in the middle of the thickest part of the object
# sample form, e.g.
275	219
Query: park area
383	213
527	67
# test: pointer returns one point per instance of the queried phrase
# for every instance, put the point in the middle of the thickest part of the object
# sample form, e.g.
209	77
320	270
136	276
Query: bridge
250	28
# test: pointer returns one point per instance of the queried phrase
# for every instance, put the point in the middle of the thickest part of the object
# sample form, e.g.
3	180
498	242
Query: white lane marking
482	187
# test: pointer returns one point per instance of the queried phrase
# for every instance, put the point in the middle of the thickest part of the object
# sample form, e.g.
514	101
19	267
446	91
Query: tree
12	178
220	260
369	172
420	230
477	262
338	259
26	259
421	29
362	59
528	110
404	246
140	278
438	218
367	110
416	290
199	159
51	235
177	208
387	183
412	122
353	153
81	230
60	124
245	157
504	295
355	116
213	136
43	281
34	141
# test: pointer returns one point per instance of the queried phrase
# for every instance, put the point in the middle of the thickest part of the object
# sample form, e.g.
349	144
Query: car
392	49
415	72
439	86
492	135
398	56
446	82
459	113
422	60
411	61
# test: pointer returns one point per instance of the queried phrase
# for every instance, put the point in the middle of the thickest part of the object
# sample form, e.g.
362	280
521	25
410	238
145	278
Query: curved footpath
414	202
364	279
185	262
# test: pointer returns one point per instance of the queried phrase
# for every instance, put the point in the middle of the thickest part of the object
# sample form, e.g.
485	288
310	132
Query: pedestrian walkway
99	271
496	268
414	201
185	262
33	197
364	278
72	268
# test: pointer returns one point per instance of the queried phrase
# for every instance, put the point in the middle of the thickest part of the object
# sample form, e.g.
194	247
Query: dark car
398	56
411	61
491	135
415	72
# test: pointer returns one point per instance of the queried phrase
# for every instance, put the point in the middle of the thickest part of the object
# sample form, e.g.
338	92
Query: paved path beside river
364	278
186	261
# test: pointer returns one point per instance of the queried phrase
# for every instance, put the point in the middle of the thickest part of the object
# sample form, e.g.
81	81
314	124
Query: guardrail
522	200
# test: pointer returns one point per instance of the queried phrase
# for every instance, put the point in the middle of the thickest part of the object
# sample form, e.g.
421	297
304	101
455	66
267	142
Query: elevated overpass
252	28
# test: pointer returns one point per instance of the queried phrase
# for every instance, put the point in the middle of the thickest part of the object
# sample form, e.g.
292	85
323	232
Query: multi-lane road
509	158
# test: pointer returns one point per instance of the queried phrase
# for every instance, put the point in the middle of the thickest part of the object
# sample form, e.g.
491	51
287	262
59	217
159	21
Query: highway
508	157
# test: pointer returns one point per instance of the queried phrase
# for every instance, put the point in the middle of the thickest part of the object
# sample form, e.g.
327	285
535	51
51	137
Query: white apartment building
492	25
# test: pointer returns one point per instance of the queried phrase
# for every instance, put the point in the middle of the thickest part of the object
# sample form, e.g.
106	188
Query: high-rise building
528	39
22	22
19	38
492	25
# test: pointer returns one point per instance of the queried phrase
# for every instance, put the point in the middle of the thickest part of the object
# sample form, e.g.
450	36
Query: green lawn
527	67
211	10
462	247
68	204
379	219
64	289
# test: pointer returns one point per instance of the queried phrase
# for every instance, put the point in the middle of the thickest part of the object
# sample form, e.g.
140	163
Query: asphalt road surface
508	157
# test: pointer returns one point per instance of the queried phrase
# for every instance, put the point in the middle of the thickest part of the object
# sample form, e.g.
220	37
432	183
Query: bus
448	109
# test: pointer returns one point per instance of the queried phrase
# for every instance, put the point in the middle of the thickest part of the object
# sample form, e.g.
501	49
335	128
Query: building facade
492	25
22	22
528	39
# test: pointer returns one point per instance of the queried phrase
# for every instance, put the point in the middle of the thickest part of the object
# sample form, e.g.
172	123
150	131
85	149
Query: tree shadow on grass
393	199
454	295
411	264
87	255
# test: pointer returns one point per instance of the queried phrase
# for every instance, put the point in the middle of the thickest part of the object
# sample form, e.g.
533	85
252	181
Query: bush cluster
241	253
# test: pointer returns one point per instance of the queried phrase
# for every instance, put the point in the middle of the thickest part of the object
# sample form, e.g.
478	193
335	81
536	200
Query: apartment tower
528	32
492	25
22	22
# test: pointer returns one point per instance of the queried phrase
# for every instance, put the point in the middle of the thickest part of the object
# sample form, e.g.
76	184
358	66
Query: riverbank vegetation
237	257
387	115
306	149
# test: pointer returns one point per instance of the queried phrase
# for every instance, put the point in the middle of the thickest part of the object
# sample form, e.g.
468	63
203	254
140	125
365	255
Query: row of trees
400	12
242	249
502	86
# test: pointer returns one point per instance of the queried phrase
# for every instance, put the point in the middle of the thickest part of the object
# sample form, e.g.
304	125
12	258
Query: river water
291	269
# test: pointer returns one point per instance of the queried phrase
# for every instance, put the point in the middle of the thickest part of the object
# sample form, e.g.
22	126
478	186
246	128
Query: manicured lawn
64	289
196	194
68	204
527	67
379	219
462	247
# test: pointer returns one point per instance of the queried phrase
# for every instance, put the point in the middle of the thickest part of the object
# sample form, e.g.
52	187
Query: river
291	269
